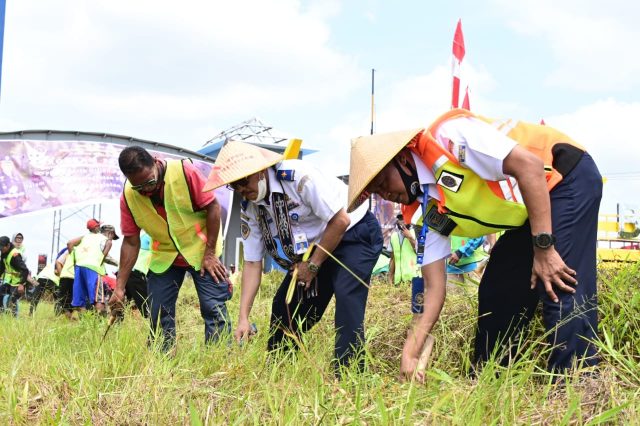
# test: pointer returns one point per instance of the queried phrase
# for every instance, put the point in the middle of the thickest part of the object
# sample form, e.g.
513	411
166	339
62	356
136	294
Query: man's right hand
116	301
243	330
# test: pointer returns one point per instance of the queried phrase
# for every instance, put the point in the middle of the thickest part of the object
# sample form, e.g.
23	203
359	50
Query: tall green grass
53	371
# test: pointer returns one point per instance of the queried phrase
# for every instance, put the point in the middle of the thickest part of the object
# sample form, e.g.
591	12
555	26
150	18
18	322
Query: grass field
53	371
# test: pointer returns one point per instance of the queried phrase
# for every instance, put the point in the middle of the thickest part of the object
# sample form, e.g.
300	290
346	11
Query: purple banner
385	212
44	174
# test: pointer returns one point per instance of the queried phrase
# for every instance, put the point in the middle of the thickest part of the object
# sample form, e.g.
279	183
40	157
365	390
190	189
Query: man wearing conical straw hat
469	175
298	215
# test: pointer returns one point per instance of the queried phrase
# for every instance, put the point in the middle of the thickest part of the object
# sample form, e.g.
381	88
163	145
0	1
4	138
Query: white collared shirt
477	146
313	200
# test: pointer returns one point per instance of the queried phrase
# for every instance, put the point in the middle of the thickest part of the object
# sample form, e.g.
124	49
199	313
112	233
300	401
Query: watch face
544	240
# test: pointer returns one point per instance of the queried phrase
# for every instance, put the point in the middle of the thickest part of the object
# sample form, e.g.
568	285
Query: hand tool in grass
112	319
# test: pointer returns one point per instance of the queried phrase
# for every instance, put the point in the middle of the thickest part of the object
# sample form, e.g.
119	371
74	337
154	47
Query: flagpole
373	111
3	5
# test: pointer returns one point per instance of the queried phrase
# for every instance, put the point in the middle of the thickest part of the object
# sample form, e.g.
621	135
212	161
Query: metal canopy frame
252	131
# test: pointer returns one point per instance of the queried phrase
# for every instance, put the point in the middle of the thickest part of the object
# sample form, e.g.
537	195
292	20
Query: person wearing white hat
288	207
165	199
460	170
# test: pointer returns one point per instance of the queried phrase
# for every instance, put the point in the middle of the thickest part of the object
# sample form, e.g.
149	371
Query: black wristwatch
313	267
544	240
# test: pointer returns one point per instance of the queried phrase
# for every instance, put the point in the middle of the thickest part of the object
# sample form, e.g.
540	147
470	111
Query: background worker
292	202
91	250
454	169
14	273
165	199
467	255
48	280
402	266
136	287
65	267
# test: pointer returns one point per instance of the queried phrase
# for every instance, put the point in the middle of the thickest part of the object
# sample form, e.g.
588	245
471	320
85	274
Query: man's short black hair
133	159
4	241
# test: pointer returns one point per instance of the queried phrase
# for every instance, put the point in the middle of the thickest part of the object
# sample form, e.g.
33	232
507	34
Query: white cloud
608	130
131	66
593	42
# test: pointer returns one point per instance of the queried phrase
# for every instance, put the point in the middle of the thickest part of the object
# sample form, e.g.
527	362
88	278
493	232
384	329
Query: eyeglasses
235	186
150	184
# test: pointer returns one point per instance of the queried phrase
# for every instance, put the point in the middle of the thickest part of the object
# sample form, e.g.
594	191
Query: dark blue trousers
163	292
359	250
506	303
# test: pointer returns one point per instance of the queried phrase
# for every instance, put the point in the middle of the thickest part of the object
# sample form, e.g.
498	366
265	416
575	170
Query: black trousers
359	250
44	284
506	303
136	290
65	294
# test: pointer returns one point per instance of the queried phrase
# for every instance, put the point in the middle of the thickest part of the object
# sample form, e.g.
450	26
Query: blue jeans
163	292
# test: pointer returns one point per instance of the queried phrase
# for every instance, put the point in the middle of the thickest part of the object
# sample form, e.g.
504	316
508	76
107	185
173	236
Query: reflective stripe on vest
184	231
11	275
48	273
404	259
89	253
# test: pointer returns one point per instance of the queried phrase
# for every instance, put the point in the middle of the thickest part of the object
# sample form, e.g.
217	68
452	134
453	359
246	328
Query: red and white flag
456	71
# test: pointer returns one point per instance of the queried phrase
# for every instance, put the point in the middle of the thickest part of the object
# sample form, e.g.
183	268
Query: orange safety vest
558	152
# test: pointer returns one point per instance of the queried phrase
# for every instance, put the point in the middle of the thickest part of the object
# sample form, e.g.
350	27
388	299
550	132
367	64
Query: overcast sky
180	72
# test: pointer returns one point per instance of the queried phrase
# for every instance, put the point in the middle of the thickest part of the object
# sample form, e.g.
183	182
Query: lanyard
425	228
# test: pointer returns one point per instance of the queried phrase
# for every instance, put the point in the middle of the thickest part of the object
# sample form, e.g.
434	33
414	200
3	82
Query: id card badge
300	242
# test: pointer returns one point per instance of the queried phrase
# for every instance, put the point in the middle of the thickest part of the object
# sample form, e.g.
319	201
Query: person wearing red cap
90	252
165	199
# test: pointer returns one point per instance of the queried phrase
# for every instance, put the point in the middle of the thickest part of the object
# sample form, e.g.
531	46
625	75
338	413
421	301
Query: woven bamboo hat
237	160
369	155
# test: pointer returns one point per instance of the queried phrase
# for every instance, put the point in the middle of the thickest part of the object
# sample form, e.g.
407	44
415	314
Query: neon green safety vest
89	254
184	231
404	259
49	273
11	275
144	259
478	254
480	207
68	269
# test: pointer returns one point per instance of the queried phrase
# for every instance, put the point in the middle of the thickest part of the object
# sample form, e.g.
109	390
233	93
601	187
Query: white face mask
262	189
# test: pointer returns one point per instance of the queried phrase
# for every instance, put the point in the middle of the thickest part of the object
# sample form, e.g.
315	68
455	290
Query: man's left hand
549	268
212	265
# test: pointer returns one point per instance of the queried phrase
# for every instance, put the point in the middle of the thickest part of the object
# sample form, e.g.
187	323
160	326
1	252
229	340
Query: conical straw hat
237	160
369	155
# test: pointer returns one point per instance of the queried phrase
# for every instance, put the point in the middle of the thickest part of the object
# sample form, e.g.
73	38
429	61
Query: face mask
410	181
262	189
